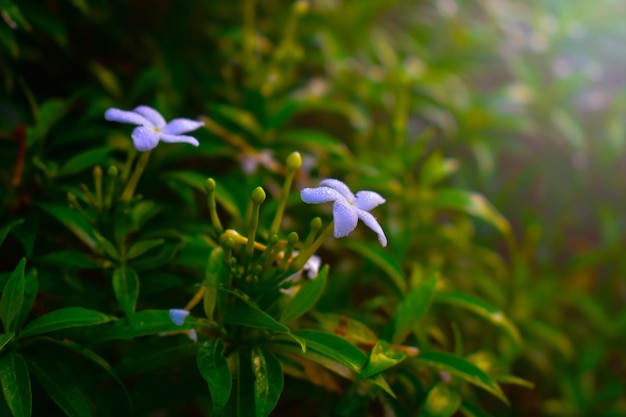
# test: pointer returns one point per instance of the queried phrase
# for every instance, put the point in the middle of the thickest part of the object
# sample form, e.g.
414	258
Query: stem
97	179
210	187
196	299
249	34
128	192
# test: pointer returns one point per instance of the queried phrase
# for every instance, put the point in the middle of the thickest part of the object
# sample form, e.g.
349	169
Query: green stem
97	180
128	192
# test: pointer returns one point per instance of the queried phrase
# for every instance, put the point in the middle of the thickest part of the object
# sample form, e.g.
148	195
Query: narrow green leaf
250	316
72	259
126	288
74	221
108	247
463	369
85	160
513	380
142	247
5	338
484	310
268	381
145	322
471	203
382	357
214	369
441	401
31	288
65	318
212	280
4	230
62	387
15	382
384	261
306	298
13	296
413	307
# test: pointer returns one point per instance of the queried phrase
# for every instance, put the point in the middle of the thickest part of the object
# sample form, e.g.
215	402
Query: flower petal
338	186
123	116
320	195
367	200
345	217
145	138
178	315
371	222
153	116
179	139
312	266
178	126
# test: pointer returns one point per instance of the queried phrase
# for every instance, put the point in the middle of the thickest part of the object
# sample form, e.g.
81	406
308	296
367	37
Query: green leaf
310	292
4	230
84	160
15	382
384	261
241	402
108	247
126	288
72	259
441	401
382	357
316	140
62	387
463	369
5	338
471	203
238	116
65	318
145	322
268	381
484	310
326	349
142	247
513	380
74	221
13	296
155	354
214	369
247	315
212	281
413	307
31	288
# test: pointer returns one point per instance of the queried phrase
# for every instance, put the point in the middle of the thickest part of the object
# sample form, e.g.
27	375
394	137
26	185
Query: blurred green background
522	102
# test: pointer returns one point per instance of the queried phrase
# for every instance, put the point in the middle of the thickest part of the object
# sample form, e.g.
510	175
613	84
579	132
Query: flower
311	267
178	315
347	208
152	127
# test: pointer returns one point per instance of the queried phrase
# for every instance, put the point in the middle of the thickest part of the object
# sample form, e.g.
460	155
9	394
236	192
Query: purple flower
178	316
153	127
347	208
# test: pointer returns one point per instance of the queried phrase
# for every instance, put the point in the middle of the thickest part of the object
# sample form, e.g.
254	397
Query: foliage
185	280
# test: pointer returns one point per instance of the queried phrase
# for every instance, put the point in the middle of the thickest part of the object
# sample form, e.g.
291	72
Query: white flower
311	268
178	315
347	208
153	128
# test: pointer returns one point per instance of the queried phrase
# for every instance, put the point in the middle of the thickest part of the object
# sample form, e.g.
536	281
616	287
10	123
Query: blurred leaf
107	246
145	322
306	298
212	281
441	401
436	169
4	230
268	381
412	308
72	259
84	160
214	369
8	41
142	247
382	357
315	140
463	369
65	318
166	253
5	338
15	382
126	288
470	203
383	260
50	113
484	310
547	333
247	315
65	390
31	288
513	380
239	117
107	78
13	297
73	220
